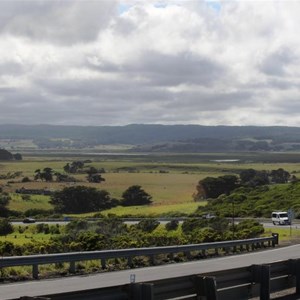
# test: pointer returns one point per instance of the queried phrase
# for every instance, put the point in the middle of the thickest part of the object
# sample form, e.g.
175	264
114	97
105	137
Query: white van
280	218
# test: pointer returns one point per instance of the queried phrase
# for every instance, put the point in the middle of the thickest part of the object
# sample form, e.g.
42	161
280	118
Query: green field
170	179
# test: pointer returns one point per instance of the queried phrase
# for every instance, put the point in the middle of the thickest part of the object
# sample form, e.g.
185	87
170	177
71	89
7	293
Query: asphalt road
78	283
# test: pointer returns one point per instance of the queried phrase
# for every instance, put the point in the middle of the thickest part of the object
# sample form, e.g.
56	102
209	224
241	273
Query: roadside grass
35	201
25	237
285	234
154	210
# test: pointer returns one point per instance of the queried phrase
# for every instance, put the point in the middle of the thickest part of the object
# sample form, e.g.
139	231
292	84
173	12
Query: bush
147	225
5	227
172	225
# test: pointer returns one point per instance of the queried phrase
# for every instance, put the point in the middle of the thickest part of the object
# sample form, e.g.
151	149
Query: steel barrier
73	257
241	283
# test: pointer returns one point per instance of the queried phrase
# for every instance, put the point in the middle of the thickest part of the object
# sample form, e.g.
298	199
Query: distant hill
162	138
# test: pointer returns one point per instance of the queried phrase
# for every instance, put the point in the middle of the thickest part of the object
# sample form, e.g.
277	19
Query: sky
119	62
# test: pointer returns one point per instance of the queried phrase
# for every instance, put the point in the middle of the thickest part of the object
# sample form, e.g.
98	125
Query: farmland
170	179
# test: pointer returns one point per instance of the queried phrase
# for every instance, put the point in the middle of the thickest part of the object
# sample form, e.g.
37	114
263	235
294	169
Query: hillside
257	202
155	138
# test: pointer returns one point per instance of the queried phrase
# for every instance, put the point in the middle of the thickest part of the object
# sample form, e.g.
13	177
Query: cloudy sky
118	62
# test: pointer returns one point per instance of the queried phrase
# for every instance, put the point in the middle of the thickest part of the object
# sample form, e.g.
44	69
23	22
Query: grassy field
27	237
170	179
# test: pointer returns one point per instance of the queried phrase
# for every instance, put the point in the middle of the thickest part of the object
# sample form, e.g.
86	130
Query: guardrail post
72	268
261	275
141	291
152	259
129	262
103	264
35	271
206	288
275	240
188	254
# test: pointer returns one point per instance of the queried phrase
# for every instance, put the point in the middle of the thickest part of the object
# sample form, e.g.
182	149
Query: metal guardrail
240	283
73	257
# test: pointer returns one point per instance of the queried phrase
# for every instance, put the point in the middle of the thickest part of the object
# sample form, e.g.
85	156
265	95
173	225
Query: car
29	220
280	218
208	216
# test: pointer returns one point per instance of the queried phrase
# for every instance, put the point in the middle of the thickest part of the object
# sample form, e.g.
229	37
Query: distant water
225	160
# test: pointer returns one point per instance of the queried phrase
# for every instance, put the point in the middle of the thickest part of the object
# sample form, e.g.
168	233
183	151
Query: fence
129	254
241	283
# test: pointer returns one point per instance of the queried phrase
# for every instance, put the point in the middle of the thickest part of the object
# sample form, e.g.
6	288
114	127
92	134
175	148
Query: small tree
135	195
95	178
147	225
5	227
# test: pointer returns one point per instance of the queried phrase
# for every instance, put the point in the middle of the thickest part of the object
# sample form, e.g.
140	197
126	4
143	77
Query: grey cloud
213	101
11	68
170	70
63	22
275	64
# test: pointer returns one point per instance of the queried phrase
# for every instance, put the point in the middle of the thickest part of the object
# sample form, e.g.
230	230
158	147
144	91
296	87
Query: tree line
213	187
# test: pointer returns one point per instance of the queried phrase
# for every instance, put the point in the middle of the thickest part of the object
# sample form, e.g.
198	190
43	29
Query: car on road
29	220
280	218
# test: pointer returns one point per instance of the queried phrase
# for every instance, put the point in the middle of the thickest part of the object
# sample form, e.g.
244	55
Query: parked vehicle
280	218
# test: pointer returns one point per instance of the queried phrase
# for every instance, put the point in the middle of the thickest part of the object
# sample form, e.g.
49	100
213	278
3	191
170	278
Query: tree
96	178
147	225
4	201
46	174
80	199
17	156
253	178
279	176
5	227
5	155
74	166
211	187
135	195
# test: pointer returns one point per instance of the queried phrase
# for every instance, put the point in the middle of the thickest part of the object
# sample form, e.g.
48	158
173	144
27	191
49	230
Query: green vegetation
257	202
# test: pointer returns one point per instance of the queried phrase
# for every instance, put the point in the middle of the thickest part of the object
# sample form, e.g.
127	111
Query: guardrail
240	283
73	257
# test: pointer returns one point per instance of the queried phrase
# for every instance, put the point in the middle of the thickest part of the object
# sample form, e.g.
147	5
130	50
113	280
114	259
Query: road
78	283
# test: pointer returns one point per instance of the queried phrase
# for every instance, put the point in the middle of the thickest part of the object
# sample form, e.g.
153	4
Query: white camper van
280	218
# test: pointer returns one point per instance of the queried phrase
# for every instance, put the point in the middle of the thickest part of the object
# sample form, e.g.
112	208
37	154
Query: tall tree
135	195
211	187
80	199
280	176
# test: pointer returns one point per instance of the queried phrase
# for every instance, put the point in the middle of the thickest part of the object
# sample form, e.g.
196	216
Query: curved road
78	283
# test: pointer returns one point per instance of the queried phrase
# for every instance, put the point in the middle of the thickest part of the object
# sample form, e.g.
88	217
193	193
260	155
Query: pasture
170	179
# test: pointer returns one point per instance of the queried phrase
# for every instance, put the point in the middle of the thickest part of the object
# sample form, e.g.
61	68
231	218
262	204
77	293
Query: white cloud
109	62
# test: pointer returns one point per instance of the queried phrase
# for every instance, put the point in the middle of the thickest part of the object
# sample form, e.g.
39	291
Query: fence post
261	275
141	291
35	271
206	287
275	240
72	268
103	264
129	262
